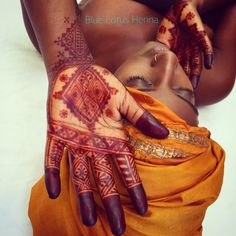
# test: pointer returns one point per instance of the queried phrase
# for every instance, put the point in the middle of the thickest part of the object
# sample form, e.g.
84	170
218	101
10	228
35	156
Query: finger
196	27
81	181
208	51
167	29
196	66
140	118
103	176
53	155
186	60
127	169
163	34
180	54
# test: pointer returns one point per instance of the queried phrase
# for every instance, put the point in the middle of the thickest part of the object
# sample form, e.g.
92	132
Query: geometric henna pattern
73	48
88	141
80	173
182	43
54	152
103	175
86	95
173	14
127	169
196	62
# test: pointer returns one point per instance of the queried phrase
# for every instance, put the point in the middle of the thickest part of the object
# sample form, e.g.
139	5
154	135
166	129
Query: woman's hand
85	109
183	32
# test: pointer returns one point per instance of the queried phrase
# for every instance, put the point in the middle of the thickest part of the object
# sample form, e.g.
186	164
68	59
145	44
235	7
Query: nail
139	199
195	80
87	208
208	60
52	182
115	214
150	126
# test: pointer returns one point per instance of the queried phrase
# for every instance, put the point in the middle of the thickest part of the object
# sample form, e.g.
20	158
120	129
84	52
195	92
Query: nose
164	64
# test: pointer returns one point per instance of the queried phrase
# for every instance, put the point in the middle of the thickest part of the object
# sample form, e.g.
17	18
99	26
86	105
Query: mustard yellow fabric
182	176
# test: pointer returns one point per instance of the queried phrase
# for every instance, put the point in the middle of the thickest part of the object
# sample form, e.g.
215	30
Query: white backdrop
23	91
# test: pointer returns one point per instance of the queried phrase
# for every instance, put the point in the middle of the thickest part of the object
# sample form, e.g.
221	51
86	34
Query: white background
23	92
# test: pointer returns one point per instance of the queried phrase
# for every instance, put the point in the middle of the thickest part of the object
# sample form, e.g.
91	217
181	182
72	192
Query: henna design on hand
103	175
54	149
86	95
80	173
182	31
80	176
85	107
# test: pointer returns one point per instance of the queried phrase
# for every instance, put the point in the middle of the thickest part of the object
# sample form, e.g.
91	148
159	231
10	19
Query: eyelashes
140	78
139	83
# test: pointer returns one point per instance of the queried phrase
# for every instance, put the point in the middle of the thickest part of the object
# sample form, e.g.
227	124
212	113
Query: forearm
58	33
28	27
221	77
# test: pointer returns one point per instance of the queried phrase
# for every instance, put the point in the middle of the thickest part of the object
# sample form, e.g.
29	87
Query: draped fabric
182	175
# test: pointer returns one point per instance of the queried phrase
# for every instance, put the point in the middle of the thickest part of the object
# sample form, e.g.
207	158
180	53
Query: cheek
181	79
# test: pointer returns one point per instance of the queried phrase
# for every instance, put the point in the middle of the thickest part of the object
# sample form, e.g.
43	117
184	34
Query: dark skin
169	76
119	41
169	84
85	110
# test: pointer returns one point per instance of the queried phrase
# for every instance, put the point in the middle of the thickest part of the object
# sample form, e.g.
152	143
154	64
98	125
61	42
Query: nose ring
155	57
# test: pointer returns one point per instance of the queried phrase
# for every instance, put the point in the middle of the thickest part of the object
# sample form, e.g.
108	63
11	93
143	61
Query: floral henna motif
64	78
63	114
162	29
73	49
190	16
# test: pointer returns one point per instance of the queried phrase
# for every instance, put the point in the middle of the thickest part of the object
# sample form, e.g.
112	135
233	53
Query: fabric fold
182	175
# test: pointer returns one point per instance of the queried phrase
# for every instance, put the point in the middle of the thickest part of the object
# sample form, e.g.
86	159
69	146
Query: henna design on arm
73	48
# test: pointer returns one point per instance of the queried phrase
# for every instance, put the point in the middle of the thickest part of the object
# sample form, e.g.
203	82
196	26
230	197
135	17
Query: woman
182	175
190	116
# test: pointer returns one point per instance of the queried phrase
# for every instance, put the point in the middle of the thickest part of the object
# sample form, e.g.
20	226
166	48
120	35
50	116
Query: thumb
53	156
141	118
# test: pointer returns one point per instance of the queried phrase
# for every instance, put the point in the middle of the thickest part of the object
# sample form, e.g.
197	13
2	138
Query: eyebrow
137	77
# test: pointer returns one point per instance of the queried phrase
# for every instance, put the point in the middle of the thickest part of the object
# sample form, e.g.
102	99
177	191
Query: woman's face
156	70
